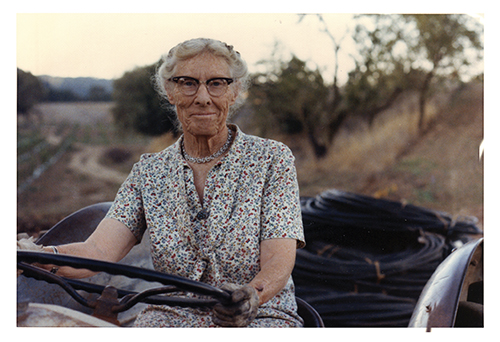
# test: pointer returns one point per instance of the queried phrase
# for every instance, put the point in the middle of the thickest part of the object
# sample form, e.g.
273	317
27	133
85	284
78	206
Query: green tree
369	90
408	52
293	99
379	75
442	40
336	111
29	91
138	106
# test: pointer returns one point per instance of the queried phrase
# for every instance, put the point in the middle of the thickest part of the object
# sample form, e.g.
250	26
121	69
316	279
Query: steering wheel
107	306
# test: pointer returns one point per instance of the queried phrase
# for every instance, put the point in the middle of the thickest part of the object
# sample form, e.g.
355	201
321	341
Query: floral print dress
250	195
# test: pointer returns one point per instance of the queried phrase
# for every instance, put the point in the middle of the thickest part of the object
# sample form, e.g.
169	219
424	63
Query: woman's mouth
202	114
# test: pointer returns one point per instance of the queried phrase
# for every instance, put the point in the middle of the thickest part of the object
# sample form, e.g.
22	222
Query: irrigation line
26	155
43	167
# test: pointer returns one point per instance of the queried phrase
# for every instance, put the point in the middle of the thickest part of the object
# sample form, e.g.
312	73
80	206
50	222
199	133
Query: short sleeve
281	213
128	204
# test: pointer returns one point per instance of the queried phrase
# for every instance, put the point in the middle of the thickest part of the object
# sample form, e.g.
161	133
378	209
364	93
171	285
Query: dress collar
235	146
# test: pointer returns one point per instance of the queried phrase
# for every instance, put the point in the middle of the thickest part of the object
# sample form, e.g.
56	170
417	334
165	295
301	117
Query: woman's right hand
110	241
29	245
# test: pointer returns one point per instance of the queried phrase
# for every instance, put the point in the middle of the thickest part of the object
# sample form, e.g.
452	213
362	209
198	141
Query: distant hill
79	86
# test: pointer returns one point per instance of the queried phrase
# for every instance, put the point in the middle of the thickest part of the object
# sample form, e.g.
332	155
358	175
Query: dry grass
362	150
373	149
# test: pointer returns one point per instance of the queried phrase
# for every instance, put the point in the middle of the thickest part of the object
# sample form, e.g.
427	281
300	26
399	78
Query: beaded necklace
204	160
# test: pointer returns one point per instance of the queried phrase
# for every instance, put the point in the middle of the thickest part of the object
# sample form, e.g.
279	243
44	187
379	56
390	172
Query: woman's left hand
241	311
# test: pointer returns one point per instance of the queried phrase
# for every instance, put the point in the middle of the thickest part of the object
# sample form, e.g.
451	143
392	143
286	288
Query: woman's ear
235	92
169	90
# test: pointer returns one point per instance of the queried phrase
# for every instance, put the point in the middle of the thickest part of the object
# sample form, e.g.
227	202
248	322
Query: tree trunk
375	111
335	125
319	149
423	100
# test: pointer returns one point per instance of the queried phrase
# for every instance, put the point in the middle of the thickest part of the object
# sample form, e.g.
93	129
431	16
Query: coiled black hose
344	309
350	269
344	209
369	250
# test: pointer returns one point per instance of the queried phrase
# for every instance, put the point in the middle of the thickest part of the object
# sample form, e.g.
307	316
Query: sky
107	45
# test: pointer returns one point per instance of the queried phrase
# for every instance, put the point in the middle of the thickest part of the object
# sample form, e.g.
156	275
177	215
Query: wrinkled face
202	114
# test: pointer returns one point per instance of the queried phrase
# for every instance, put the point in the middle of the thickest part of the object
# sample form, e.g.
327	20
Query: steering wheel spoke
128	299
41	274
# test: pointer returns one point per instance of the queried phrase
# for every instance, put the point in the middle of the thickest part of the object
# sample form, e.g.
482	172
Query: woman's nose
202	95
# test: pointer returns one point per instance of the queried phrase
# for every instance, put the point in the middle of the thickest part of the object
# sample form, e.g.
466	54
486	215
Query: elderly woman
222	207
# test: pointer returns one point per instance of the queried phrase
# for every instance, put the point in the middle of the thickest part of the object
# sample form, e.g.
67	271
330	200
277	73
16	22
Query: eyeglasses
215	86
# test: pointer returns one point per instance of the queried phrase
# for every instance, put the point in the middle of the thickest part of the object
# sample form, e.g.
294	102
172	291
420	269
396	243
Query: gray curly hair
194	47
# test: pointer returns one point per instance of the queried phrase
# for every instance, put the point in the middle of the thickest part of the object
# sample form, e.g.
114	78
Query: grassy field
439	170
94	159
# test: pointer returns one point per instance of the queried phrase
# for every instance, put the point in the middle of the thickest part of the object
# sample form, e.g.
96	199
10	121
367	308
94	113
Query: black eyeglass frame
198	82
